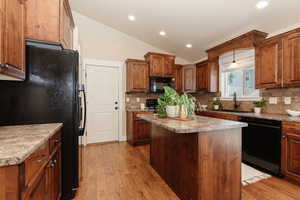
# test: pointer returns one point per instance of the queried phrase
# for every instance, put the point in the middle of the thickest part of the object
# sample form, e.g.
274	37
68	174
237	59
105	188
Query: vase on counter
183	112
257	110
172	111
216	107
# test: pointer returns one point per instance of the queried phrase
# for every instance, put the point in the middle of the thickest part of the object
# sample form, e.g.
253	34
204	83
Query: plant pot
257	110
172	111
216	107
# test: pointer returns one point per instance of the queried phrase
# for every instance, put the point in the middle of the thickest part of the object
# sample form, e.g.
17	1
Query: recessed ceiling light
189	46
262	4
162	33
131	17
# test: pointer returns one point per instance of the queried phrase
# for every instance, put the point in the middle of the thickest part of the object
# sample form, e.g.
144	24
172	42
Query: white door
102	95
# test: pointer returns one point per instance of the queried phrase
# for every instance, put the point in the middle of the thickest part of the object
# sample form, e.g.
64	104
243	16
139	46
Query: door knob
116	108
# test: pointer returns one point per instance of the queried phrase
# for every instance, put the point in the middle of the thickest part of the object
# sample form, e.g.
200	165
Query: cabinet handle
284	137
57	141
42	159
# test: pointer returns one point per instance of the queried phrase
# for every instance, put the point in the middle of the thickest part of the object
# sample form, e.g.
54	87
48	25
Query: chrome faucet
236	105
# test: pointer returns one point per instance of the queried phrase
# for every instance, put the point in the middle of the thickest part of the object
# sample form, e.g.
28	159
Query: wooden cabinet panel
178	78
39	190
138	130
169	65
137	76
42	20
291	70
12	49
269	64
219	115
160	65
213	76
67	25
202	76
189	79
291	151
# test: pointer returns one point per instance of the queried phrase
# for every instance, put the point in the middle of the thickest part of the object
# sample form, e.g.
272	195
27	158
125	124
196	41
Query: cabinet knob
283	137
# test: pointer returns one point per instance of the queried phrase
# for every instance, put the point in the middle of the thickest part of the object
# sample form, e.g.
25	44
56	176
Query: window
239	79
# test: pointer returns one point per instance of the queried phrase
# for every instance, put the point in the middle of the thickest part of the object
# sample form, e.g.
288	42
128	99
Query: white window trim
223	98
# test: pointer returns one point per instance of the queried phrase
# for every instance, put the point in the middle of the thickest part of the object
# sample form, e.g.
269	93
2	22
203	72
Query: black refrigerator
50	94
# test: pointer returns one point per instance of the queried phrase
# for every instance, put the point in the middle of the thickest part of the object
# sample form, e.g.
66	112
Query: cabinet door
137	77
291	70
66	26
189	79
269	65
39	190
178	78
142	131
13	34
56	178
42	20
157	63
202	82
168	67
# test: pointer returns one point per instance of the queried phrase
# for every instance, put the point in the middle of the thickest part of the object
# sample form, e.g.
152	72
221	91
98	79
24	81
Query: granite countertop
139	110
199	124
278	117
18	142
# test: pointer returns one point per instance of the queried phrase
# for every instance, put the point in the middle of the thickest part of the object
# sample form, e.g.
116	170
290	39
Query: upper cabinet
189	79
202	76
137	73
49	21
269	64
177	71
207	76
160	65
278	61
12	45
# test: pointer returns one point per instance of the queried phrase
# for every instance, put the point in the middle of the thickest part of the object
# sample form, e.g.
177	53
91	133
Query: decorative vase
183	112
257	110
172	111
216	107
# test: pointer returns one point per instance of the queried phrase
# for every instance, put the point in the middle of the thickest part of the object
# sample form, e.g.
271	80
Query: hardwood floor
118	171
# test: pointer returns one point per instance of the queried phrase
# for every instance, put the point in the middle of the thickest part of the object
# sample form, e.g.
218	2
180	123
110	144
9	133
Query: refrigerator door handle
82	130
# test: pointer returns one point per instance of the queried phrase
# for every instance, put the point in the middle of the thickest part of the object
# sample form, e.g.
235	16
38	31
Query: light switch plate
127	99
287	100
138	100
273	100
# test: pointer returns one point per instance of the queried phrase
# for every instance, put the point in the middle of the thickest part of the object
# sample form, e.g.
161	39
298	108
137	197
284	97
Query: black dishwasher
261	144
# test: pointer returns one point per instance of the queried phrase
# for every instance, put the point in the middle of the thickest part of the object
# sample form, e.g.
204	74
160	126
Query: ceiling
203	23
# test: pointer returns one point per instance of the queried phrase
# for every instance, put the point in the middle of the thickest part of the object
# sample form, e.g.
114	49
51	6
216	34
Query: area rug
251	175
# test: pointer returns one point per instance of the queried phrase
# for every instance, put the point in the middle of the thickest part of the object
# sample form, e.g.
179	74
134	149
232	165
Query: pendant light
233	65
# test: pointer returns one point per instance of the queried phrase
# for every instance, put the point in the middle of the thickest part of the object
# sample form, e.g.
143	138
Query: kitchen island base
204	165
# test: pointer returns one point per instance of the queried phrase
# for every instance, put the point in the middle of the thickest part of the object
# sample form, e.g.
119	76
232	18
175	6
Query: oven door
262	147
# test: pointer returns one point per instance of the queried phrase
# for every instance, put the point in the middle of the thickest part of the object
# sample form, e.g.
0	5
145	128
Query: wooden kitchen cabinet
202	76
218	115
137	73
49	21
291	61
189	79
269	64
138	130
160	65
291	150
177	71
12	44
38	177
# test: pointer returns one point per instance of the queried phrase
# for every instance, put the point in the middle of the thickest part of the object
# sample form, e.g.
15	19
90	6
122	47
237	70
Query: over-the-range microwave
157	84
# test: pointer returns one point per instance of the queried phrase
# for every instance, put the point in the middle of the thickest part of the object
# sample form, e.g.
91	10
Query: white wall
102	42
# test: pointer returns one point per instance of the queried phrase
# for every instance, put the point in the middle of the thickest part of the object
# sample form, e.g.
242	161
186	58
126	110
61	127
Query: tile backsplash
207	98
279	94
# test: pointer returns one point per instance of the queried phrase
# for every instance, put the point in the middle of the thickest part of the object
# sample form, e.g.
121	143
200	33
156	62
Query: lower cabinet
218	115
39	190
138	130
291	151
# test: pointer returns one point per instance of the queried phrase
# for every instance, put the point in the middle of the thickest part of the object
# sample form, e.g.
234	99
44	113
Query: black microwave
157	84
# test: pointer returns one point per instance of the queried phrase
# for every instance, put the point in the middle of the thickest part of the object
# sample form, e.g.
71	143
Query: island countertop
199	124
19	142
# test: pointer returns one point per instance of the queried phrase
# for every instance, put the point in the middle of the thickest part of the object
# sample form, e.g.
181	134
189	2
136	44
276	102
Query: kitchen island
198	159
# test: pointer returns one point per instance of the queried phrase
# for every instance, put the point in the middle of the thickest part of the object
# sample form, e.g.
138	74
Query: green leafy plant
260	104
172	98
216	102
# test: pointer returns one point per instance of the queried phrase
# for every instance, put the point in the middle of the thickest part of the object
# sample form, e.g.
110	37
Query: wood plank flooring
118	171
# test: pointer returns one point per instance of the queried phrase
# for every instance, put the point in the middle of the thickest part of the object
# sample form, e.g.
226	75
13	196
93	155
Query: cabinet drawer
55	140
34	162
291	128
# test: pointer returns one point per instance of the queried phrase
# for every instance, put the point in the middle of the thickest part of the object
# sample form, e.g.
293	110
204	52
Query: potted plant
258	105
168	104
171	103
217	104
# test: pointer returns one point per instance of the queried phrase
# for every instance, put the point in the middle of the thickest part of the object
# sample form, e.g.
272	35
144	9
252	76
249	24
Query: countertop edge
5	162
